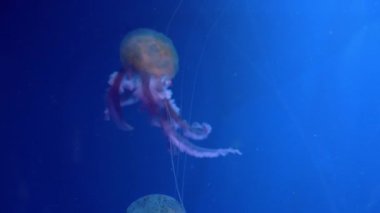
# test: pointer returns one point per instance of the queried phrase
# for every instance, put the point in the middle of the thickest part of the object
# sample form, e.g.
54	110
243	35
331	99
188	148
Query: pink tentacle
114	109
197	131
185	146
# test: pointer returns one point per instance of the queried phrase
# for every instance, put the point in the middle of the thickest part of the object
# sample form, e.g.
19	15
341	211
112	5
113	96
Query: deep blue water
295	85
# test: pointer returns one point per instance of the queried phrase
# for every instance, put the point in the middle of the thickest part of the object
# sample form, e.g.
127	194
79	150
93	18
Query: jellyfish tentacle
148	95
195	131
114	104
186	146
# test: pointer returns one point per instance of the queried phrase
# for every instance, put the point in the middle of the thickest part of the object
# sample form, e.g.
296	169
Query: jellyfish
149	64
156	203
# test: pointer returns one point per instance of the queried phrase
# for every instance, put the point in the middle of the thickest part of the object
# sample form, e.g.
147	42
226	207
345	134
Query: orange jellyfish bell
149	52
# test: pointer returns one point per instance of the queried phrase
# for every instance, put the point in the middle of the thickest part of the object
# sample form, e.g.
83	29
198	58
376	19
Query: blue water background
294	85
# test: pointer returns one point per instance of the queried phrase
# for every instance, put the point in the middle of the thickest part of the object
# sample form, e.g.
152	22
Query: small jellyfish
155	203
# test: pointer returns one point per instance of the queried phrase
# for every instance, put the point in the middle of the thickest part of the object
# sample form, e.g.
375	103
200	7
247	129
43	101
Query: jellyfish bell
149	52
155	203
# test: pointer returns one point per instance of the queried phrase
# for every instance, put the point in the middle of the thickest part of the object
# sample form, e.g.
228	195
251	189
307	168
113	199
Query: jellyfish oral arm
172	123
195	131
127	89
114	102
185	146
